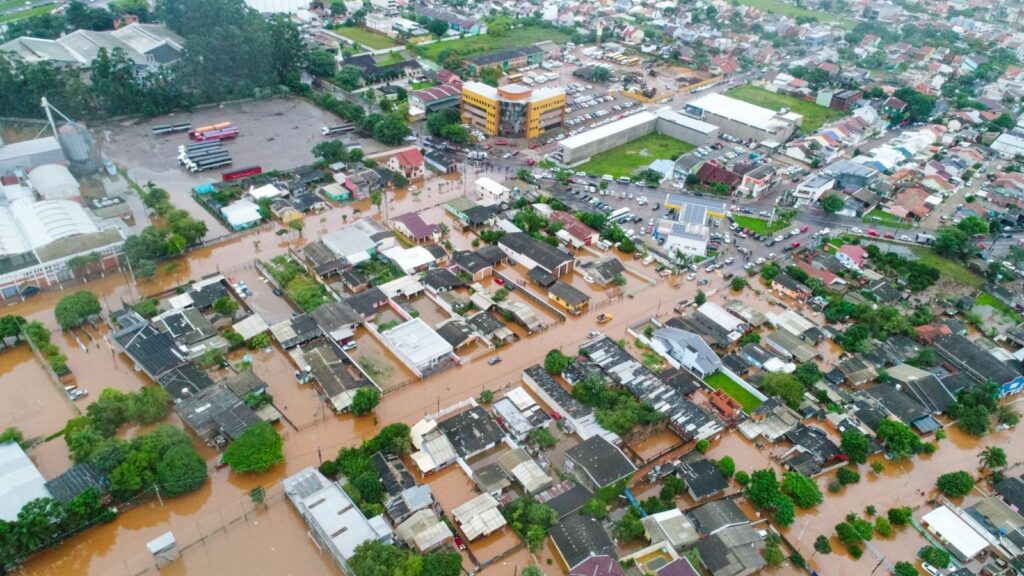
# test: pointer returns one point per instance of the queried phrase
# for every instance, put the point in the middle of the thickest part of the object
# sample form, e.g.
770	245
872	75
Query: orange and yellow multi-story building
513	110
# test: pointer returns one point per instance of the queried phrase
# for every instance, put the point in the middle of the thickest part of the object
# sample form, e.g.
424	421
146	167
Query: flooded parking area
30	400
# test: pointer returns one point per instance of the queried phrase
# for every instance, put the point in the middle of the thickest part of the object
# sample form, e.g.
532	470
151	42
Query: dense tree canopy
76	308
256	450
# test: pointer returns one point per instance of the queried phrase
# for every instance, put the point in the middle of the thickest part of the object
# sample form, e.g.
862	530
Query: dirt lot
275	134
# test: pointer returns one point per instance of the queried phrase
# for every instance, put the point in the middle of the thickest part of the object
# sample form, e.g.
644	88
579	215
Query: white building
418	346
54	182
335	522
20	481
688	233
744	120
490	191
964	541
813	188
241	214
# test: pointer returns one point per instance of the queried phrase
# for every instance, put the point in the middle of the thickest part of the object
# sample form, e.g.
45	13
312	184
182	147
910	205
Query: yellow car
604	318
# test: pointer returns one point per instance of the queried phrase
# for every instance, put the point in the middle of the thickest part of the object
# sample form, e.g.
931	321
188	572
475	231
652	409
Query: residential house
687	349
408	162
598	463
970	358
579	537
412	226
578	233
703	478
473	264
530	252
785	284
568	297
419	347
471	432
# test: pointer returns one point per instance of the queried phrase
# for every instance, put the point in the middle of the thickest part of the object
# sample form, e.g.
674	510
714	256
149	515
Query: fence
212	532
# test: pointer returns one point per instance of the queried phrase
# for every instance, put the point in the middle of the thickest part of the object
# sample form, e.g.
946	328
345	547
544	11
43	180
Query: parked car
350	345
494	360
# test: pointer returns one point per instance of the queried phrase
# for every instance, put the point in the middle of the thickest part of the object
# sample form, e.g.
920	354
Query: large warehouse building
744	120
514	110
581	147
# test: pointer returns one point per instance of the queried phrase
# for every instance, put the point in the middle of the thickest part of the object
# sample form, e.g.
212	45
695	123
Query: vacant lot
949	269
882	218
363	37
814	116
794	11
759	225
720	381
511	39
626	159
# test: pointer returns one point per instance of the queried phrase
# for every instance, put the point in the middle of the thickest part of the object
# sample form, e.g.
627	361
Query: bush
256	450
847	475
900	516
935	556
727	466
703	445
883	527
543	438
742	478
955	484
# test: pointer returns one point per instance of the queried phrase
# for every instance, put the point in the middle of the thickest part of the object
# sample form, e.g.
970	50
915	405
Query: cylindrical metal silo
79	148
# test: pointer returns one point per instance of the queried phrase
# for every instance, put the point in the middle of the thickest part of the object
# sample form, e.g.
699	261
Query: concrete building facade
744	120
514	110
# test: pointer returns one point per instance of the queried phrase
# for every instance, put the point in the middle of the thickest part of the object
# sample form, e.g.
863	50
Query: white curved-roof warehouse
11	241
42	223
54	182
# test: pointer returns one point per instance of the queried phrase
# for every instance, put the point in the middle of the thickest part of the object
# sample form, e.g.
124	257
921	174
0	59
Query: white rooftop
265	191
949	527
417	341
20	481
670	115
479	516
609	129
740	111
409	259
41	223
241	213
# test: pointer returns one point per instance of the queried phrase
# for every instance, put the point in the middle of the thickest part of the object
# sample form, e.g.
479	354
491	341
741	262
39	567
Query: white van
607	178
604	245
648	260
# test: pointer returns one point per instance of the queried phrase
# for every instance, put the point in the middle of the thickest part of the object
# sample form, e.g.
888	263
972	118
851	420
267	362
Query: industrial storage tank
79	148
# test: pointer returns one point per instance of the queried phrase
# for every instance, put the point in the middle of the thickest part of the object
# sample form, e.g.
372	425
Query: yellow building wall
540	107
479	102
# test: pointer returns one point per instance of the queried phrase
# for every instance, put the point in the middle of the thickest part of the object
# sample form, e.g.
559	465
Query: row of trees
175	232
357	471
231	52
46	522
374	558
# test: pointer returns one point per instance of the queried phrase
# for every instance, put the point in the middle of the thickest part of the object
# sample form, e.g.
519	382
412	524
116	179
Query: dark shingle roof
543	254
471	431
602	461
702	478
579	537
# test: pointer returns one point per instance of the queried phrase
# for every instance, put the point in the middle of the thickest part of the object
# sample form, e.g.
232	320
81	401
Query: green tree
992	458
764	488
900	516
738	283
727	466
555	362
700	298
12	434
374	558
321	63
808	373
785	385
854	445
72	310
899	440
442	564
533	570
437	27
180	470
531	520
905	569
832	203
391	130
376	198
955	484
109	412
773	555
703	445
365	400
629	527
149	405
803	490
257	449
595	507
822	545
226	306
847	475
935	556
543	438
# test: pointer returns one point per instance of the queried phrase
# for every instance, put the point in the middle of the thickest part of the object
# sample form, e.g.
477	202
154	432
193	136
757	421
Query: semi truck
225	134
194	134
204	165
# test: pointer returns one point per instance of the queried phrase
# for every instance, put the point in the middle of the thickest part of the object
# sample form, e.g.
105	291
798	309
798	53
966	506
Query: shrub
846	475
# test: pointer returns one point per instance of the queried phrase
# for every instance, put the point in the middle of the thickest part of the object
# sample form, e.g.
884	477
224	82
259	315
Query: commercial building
512	59
335	522
514	110
955	532
688	233
433	99
29	153
147	46
20	481
744	120
581	147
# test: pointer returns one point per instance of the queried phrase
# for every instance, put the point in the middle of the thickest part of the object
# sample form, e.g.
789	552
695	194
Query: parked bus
516	77
241	173
618	215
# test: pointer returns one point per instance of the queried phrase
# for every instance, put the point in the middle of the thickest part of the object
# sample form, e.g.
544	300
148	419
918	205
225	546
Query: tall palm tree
992	458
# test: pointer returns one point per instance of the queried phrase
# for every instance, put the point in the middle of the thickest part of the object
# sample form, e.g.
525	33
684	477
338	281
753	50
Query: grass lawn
947	267
421	85
363	37
814	116
514	38
986	299
720	381
37	11
624	160
793	11
759	225
882	218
